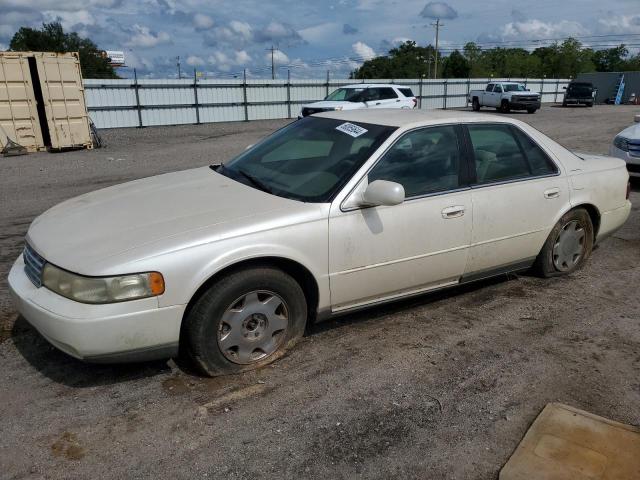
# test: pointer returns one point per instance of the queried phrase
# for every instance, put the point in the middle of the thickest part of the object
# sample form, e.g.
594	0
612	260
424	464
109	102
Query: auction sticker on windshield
351	129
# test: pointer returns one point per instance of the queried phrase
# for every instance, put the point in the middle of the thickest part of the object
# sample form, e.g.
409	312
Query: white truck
505	96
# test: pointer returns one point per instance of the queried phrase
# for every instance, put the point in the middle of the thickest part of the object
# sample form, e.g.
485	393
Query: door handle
453	212
552	193
377	103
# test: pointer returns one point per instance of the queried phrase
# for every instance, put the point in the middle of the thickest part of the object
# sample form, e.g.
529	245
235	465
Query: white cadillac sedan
332	213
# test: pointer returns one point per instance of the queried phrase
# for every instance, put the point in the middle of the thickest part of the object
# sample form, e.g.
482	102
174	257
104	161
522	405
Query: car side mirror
636	118
564	88
383	192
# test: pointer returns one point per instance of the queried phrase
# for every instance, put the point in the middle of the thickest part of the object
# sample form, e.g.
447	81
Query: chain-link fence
145	102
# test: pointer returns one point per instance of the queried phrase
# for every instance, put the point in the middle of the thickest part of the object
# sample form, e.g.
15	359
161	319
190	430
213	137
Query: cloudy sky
222	37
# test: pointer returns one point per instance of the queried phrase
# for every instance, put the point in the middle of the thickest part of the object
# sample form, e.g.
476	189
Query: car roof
370	85
396	117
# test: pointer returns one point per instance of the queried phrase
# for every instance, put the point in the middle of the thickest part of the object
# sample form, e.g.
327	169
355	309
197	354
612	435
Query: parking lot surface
442	386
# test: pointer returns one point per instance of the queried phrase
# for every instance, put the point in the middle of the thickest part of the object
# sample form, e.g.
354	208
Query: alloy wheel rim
253	327
568	248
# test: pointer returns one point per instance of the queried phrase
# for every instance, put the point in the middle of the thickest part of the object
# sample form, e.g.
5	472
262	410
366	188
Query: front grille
33	265
526	99
634	148
633	168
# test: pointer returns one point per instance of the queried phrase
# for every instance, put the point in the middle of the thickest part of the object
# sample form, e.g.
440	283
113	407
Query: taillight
415	102
628	189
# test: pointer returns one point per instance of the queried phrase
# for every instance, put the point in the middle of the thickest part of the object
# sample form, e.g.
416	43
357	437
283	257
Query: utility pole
179	73
437	25
273	65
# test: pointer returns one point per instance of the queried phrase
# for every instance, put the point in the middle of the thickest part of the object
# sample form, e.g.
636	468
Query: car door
381	97
518	195
379	253
487	96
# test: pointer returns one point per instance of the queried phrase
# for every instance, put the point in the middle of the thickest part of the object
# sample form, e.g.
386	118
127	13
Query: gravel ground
443	386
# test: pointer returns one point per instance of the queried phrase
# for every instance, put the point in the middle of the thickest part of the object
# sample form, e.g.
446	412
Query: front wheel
504	106
531	110
568	245
247	319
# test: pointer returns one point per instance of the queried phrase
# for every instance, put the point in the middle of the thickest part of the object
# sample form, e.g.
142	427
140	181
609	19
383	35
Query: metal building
42	104
613	84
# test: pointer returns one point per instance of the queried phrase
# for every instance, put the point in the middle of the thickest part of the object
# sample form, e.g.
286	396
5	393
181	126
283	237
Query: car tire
589	105
475	105
564	104
504	106
531	110
244	321
568	245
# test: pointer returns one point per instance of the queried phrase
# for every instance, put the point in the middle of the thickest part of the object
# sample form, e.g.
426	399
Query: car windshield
346	95
514	87
308	160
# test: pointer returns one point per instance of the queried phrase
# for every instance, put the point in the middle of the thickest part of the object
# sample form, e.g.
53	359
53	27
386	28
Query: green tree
52	38
407	60
611	59
456	66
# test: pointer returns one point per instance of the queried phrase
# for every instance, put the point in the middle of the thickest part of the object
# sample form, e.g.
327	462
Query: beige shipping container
18	108
44	104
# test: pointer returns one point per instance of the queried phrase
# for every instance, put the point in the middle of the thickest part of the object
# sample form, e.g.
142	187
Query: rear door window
387	93
407	92
498	156
539	161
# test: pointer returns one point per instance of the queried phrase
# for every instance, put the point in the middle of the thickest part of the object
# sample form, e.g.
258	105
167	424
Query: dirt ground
439	387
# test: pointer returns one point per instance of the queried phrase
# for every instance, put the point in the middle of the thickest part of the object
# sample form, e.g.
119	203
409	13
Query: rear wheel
244	321
568	246
475	105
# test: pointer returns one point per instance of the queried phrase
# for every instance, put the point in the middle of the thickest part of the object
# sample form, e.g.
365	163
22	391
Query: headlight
338	108
621	143
102	289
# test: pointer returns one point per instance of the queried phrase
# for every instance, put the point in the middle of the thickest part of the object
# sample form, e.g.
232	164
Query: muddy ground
439	387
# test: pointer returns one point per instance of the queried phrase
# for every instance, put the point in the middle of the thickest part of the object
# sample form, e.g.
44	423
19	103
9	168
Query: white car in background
362	95
335	212
626	146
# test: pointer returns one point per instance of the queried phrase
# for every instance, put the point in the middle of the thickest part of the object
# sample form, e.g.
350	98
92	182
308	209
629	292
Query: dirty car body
335	212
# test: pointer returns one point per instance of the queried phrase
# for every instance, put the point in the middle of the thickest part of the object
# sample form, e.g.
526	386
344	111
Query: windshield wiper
255	181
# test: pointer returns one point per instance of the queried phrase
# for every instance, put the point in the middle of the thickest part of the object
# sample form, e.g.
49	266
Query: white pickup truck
505	96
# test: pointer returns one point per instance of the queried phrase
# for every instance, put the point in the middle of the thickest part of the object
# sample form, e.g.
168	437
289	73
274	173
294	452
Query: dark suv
579	93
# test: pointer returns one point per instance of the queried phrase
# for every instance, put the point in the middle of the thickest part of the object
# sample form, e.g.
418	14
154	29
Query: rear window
406	92
386	93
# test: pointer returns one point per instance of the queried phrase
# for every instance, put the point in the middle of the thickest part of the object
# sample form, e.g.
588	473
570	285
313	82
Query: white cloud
241	28
135	61
532	29
322	32
440	10
3	47
277	32
620	24
69	19
242	57
279	57
195	61
143	37
202	21
364	51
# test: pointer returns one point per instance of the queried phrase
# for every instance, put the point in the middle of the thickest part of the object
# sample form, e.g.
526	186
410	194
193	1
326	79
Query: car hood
333	104
632	132
155	213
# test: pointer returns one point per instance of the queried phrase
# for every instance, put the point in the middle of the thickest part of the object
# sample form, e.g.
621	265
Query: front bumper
633	162
120	332
517	105
578	101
